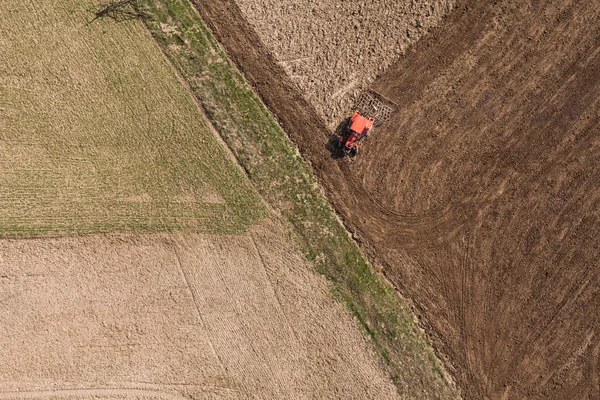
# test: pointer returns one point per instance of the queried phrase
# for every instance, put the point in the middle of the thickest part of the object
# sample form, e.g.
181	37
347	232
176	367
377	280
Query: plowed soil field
480	196
174	317
332	50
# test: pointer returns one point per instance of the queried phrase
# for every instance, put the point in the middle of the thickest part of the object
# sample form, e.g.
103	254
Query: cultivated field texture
480	197
286	182
175	317
98	134
497	179
332	50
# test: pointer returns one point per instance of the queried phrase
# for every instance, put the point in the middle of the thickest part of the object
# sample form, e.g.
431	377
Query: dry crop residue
332	50
480	196
174	316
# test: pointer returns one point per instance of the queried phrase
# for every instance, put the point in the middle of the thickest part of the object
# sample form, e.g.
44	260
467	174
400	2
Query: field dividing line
195	300
280	307
135	393
267	369
201	109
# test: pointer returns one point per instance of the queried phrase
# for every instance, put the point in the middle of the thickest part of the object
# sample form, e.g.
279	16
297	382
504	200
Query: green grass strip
287	183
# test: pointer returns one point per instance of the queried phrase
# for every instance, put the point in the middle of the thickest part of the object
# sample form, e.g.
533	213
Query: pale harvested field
332	50
98	134
176	315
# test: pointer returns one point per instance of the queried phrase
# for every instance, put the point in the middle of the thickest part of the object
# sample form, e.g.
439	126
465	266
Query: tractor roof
360	124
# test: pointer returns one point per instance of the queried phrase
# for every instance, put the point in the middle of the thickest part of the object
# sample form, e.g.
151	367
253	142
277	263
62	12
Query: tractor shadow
333	145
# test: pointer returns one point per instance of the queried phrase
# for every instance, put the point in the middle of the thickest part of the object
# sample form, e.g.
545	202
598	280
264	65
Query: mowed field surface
98	134
174	317
480	197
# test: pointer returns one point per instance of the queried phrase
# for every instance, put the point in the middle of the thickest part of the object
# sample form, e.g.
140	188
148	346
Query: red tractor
356	128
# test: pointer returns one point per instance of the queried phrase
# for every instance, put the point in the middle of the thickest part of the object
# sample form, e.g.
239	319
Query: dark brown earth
480	198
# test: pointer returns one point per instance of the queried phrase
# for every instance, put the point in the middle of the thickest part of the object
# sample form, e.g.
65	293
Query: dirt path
480	197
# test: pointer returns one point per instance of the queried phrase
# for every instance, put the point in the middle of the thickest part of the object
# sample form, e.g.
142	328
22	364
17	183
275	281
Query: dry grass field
98	134
174	317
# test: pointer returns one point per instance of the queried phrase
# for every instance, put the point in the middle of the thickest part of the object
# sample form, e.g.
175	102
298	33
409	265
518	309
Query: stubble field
176	316
98	134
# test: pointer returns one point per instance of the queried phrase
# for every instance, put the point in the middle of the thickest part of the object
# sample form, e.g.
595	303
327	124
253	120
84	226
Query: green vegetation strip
97	133
286	182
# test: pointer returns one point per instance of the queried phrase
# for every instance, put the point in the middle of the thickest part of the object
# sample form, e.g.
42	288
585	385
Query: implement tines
370	106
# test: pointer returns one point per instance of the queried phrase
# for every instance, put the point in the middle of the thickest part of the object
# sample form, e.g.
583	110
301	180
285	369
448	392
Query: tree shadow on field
118	10
333	145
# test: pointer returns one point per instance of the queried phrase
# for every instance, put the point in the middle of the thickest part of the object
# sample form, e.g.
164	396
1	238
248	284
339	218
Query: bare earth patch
176	315
332	50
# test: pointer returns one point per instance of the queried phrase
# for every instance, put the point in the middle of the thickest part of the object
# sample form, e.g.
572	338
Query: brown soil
176	316
332	50
480	197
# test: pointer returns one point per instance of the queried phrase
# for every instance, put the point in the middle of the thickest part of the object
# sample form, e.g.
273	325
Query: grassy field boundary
287	183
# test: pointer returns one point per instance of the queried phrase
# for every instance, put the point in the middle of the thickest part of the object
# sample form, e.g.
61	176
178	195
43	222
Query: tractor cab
356	128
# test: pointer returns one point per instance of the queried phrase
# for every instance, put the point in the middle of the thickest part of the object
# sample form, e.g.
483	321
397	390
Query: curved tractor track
480	197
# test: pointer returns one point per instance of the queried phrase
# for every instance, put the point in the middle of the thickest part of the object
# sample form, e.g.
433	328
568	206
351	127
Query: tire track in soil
518	141
237	310
174	248
197	286
273	292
